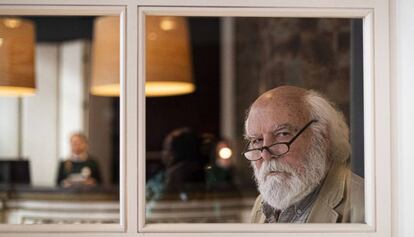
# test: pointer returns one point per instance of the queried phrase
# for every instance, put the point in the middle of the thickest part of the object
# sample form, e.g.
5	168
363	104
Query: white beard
282	190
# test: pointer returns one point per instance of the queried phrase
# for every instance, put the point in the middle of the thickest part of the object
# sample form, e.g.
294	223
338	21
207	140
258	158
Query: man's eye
283	134
256	143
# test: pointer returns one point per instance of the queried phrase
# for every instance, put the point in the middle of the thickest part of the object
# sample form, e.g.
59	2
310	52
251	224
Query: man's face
78	145
287	179
274	120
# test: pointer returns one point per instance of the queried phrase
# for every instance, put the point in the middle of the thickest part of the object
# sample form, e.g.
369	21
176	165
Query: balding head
287	94
285	103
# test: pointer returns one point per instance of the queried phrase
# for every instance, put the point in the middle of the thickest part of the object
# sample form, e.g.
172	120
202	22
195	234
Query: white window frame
375	219
377	115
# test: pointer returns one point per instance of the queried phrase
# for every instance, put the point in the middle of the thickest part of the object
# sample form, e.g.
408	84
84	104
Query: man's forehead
279	111
255	132
276	108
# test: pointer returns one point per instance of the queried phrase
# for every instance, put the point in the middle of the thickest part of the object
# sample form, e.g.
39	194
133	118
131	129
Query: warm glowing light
12	22
151	89
16	91
105	57
225	153
168	57
167	24
106	90
168	88
17	57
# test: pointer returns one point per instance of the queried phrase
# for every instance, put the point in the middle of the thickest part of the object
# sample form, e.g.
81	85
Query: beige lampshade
105	56
17	47
168	57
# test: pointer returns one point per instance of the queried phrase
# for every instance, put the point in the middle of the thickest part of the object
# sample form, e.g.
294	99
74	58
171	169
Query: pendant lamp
17	48
105	56
168	57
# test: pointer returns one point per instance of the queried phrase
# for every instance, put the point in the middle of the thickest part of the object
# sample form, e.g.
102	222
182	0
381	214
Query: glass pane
195	170
59	136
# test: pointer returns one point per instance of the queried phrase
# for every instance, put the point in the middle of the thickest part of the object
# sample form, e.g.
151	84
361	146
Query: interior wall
9	111
71	93
39	124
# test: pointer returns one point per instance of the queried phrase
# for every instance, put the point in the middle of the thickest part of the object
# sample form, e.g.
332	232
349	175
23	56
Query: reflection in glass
214	183
59	148
105	57
169	69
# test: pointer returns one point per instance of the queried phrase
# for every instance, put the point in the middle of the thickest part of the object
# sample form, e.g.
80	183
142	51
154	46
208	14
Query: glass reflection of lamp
105	56
168	57
224	154
17	43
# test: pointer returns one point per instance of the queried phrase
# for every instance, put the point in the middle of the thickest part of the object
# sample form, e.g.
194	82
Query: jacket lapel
330	196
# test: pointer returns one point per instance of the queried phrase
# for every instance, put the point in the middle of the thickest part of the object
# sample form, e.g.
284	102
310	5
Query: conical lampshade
105	56
17	47
168	57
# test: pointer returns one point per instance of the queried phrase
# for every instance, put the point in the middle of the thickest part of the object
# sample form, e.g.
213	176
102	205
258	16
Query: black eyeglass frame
267	148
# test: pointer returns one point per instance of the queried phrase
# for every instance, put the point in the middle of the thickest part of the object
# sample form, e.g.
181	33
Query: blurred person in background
184	173
80	169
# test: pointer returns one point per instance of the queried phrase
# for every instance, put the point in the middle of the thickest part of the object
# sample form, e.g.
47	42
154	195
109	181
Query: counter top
58	193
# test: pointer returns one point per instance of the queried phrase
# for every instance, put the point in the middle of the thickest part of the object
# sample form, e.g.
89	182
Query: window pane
195	170
59	149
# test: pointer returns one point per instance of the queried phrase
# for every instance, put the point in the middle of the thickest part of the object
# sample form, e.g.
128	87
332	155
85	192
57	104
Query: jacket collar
330	196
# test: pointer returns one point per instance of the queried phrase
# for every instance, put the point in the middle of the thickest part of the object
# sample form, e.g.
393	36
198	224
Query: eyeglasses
276	149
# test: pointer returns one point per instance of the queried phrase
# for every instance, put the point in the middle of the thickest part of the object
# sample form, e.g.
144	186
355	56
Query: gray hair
331	123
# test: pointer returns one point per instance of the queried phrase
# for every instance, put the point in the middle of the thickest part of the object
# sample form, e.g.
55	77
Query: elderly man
299	149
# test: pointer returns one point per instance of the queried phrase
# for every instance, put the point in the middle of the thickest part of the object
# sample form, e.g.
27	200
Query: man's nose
267	140
265	153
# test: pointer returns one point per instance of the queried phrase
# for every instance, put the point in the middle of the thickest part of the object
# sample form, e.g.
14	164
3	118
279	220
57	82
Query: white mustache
280	192
270	166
